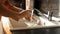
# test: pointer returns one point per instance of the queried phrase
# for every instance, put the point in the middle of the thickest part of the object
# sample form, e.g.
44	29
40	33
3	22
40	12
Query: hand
9	11
26	13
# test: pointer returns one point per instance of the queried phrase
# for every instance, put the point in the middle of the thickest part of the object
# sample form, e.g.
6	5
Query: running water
34	20
31	16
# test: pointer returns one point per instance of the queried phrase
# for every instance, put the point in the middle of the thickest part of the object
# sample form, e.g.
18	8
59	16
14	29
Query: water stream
31	16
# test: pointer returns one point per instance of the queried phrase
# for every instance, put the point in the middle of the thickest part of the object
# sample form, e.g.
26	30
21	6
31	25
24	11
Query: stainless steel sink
22	24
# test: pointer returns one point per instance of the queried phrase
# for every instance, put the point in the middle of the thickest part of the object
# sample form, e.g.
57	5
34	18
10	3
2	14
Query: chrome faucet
50	14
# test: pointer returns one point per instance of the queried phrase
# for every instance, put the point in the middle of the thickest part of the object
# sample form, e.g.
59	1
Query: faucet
50	14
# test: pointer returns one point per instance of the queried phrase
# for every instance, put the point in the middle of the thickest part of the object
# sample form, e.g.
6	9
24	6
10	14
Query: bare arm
9	11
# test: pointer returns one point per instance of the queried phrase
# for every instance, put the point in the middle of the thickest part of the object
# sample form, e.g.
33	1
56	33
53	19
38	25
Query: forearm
5	11
10	11
8	14
15	16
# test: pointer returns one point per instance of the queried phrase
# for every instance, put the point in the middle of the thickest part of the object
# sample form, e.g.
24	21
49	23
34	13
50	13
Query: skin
9	11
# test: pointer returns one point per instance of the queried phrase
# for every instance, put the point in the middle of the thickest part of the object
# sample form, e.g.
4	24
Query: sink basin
43	22
27	25
24	23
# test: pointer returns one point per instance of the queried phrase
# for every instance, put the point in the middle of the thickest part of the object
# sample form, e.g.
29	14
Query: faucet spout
50	14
